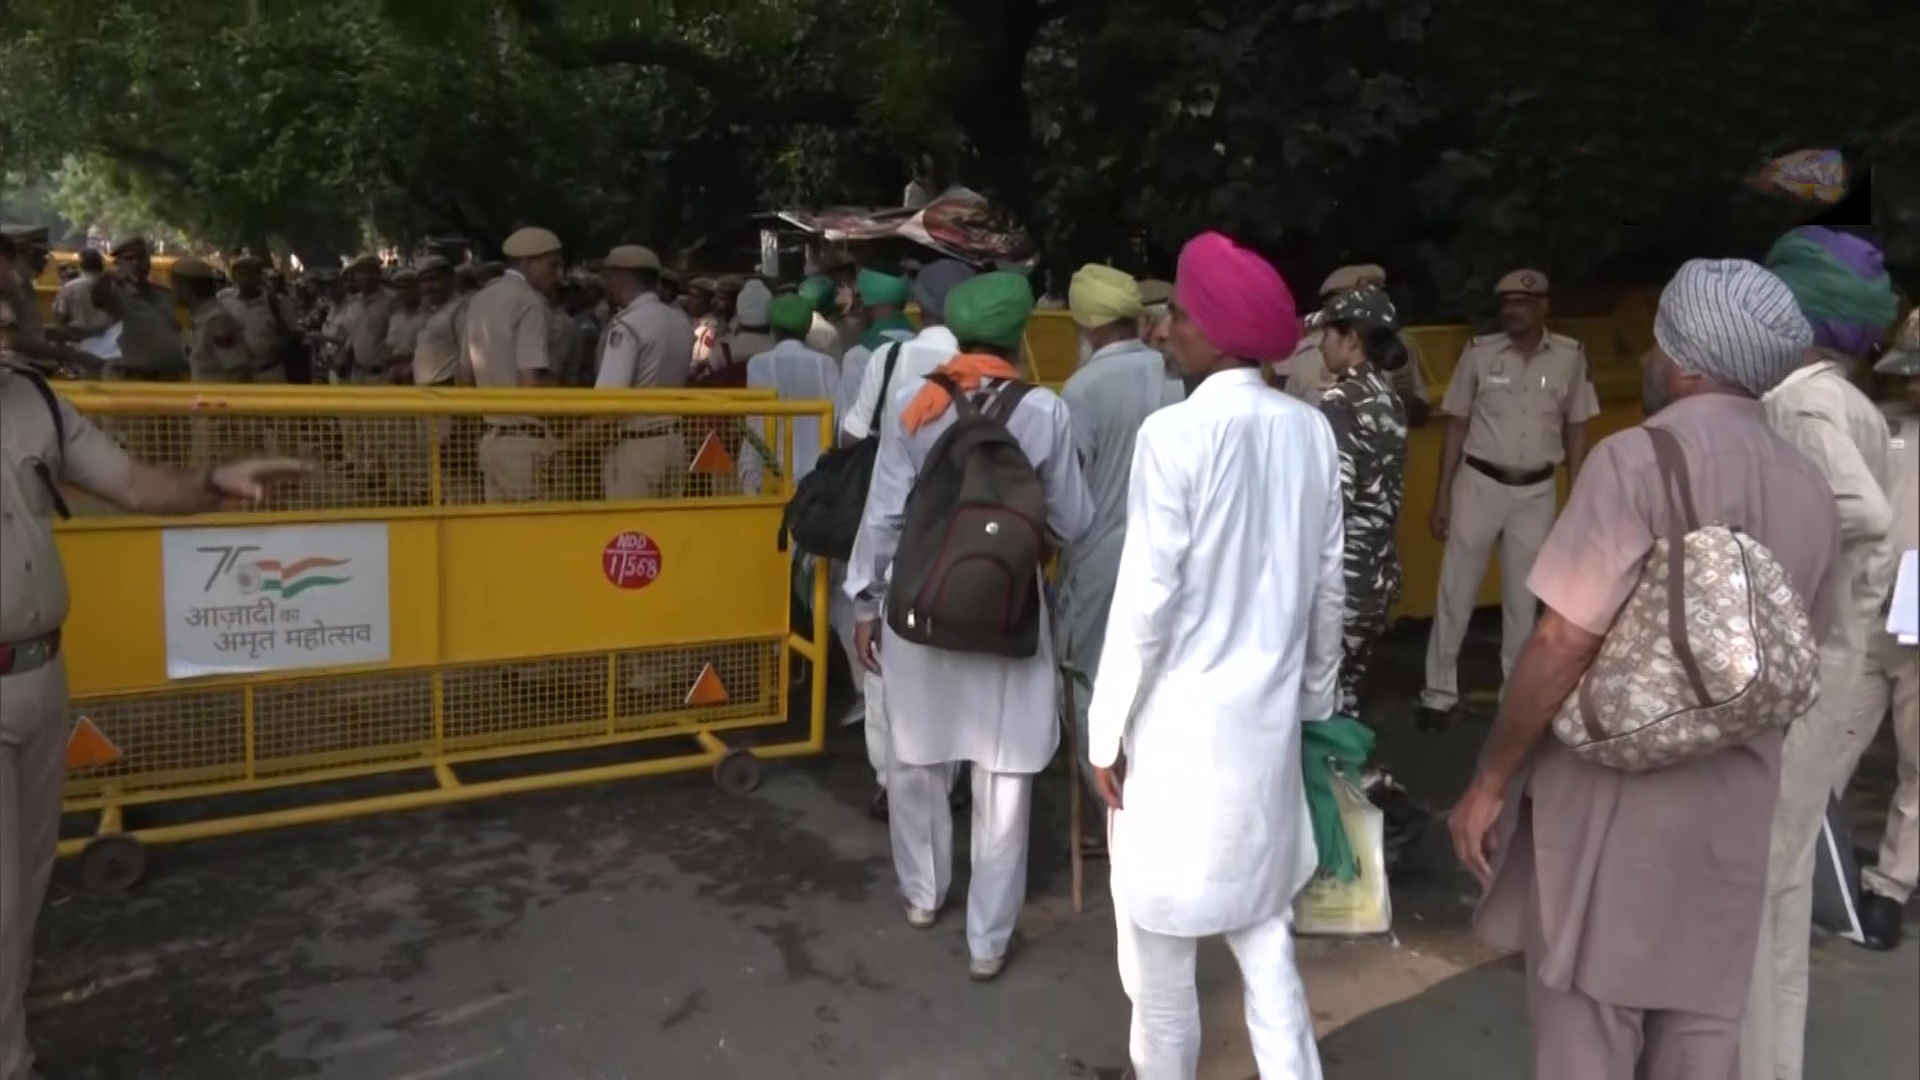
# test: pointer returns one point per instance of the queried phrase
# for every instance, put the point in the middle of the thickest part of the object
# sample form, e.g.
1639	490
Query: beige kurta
1644	891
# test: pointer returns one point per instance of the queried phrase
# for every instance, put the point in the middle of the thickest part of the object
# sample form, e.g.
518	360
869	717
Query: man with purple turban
1224	638
1842	288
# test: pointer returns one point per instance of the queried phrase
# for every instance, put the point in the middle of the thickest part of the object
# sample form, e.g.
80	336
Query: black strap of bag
886	380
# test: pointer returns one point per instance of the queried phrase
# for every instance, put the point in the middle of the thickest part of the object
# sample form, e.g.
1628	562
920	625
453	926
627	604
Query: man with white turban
1637	898
1120	382
1224	639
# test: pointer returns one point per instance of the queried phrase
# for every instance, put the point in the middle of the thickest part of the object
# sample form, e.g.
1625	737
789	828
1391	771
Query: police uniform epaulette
1565	339
1487	339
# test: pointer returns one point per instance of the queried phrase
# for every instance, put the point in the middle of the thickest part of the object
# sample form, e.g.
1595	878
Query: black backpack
967	575
823	517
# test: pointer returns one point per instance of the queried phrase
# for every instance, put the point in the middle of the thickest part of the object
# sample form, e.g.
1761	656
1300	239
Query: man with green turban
793	372
821	294
1841	285
996	713
884	298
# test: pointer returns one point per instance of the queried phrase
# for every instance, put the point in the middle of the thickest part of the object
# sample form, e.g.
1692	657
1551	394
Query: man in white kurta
996	713
1224	637
864	411
1121	382
795	373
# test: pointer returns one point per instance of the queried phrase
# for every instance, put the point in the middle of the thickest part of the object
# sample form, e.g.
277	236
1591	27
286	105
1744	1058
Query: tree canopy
1447	141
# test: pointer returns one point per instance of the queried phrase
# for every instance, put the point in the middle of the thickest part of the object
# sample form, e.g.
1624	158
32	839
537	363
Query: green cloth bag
1337	745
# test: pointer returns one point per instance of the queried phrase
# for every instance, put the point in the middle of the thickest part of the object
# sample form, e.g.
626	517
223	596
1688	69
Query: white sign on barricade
278	598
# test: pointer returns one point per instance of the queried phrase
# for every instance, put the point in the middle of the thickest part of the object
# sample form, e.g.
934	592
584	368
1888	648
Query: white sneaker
986	970
920	918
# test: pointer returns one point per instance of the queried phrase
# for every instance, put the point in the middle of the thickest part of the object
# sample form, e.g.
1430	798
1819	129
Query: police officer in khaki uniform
403	328
34	718
438	354
1517	407
648	345
152	348
507	326
217	349
31	253
263	317
1305	374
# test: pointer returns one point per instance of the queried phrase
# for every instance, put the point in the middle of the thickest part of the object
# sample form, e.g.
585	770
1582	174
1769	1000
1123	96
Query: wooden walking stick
1074	798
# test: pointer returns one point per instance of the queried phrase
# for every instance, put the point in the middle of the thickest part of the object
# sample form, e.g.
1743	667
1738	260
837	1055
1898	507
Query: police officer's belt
32	654
1510	477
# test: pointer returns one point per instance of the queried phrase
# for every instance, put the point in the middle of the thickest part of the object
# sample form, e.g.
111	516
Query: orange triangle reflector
89	748
707	689
713	456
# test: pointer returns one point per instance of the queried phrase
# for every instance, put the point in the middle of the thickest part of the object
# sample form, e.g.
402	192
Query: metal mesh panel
420	461
181	741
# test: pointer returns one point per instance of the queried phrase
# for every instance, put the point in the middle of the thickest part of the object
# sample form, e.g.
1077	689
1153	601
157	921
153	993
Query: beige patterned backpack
1712	649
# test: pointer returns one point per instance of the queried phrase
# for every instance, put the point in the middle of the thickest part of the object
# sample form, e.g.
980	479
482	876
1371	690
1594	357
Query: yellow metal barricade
392	614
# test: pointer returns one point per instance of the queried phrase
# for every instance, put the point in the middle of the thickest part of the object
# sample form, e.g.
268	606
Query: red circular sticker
631	560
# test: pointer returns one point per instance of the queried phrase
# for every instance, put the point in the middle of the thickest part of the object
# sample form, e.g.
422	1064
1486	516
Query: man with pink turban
1224	638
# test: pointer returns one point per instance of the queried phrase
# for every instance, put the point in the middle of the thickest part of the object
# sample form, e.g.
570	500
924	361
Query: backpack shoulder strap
41	386
961	403
1007	400
886	381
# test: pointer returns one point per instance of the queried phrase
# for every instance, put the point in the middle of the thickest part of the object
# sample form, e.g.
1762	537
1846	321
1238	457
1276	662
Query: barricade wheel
737	773
110	865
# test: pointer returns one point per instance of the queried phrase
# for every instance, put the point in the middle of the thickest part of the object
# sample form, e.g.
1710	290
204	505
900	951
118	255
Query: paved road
659	929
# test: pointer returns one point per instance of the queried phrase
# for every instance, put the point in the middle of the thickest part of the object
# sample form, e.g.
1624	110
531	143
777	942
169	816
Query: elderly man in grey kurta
1637	897
945	707
1121	382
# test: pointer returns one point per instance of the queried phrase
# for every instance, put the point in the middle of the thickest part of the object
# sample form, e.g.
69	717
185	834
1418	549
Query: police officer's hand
1442	519
866	643
251	481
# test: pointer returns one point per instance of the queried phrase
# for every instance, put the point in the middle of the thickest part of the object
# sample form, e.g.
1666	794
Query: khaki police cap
364	262
432	264
1348	278
193	269
26	235
406	275
702	285
530	243
128	245
728	284
631	257
1154	292
249	262
1523	283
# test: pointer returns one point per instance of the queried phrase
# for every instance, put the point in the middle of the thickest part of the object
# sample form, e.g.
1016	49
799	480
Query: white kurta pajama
917	357
944	707
1224	637
1114	389
1845	435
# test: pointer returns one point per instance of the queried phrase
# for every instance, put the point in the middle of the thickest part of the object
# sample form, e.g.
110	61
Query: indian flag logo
288	580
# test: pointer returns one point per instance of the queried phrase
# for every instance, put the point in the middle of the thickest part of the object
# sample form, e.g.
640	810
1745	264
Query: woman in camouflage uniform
1363	349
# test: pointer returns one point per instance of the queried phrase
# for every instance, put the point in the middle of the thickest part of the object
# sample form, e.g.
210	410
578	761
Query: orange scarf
968	371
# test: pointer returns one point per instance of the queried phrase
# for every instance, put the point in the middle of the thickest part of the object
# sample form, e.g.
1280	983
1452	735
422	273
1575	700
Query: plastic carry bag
1330	907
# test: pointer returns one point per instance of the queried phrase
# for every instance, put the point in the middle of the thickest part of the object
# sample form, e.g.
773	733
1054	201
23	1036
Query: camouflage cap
1904	358
1365	307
